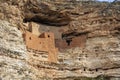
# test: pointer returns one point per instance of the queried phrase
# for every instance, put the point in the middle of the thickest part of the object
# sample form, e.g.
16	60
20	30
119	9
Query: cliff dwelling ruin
43	43
71	39
78	41
47	43
48	40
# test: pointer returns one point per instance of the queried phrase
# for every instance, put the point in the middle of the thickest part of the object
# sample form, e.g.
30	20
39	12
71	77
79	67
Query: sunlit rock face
11	33
11	39
13	54
100	55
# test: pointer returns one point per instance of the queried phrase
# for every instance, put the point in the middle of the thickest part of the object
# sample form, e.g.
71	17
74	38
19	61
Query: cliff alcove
91	29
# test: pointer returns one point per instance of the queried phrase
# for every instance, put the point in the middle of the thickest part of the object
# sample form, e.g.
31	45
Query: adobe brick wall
44	42
78	41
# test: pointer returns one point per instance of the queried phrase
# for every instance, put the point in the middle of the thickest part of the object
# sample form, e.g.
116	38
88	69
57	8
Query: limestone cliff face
11	38
13	55
99	57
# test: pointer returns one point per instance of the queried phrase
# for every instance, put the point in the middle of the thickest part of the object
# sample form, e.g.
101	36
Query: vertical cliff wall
99	57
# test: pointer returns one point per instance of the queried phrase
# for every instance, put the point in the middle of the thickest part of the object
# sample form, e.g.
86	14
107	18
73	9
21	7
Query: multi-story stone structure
42	43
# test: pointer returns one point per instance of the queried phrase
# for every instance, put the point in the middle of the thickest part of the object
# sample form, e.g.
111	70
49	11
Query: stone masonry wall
78	41
45	42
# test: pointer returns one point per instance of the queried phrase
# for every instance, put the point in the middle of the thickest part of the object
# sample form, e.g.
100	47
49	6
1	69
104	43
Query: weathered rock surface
101	55
13	56
11	38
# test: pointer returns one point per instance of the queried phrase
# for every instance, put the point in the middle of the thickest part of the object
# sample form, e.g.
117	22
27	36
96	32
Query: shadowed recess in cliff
42	13
57	19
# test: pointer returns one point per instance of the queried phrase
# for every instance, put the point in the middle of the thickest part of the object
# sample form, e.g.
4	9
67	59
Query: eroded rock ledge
100	56
42	13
